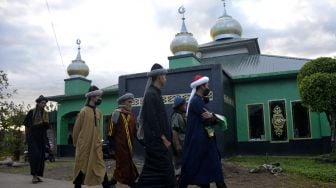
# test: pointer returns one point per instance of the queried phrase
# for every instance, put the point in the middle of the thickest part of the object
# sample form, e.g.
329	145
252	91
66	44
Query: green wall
108	105
260	92
182	61
68	109
75	86
64	108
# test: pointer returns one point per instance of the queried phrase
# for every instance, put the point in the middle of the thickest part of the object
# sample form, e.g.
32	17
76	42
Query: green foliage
318	91
13	142
11	118
12	115
304	166
317	84
5	93
319	65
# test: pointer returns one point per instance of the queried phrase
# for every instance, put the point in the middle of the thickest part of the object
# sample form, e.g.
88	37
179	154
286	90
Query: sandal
35	180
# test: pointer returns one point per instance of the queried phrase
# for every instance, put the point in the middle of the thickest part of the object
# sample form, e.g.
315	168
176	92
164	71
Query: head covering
178	101
94	91
41	98
197	81
125	97
157	70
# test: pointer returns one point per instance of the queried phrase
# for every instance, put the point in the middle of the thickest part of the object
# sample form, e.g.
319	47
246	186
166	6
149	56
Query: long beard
125	108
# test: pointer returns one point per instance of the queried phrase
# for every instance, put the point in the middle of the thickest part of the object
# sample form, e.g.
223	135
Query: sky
125	37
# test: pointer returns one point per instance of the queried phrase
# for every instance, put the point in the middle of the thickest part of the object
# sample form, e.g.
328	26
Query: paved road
24	181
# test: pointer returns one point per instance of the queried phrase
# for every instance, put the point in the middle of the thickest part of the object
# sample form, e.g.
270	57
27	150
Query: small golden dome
78	68
184	43
226	27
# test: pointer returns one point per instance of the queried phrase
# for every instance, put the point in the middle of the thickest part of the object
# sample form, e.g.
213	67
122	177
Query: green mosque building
257	93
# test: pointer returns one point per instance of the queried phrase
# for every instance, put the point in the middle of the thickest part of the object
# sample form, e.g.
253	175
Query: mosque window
301	123
256	121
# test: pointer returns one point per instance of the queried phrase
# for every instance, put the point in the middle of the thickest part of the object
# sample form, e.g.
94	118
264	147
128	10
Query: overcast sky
123	37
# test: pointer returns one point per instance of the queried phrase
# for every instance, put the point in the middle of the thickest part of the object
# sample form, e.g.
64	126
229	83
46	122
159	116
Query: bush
13	143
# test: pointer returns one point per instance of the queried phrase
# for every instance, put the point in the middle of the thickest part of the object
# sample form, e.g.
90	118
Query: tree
11	118
317	88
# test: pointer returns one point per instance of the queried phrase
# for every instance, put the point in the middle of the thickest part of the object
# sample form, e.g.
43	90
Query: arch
67	122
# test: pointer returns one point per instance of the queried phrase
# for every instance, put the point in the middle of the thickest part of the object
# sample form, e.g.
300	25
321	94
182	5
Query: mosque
257	93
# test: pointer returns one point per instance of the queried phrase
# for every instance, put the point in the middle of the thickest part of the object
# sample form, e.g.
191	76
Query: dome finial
224	4
78	42
182	10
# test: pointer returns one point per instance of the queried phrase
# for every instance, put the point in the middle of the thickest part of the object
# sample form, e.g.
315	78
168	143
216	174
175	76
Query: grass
297	165
329	156
59	164
4	154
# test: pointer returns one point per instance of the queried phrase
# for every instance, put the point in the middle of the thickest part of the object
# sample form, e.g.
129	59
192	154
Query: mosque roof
246	66
113	89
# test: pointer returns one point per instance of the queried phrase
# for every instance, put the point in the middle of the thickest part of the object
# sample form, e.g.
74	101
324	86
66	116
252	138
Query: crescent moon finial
78	42
182	10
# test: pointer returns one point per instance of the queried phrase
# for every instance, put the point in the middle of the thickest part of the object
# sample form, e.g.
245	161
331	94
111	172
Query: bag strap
126	120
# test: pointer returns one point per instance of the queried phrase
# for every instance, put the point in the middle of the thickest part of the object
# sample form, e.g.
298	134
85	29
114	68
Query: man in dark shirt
36	123
158	169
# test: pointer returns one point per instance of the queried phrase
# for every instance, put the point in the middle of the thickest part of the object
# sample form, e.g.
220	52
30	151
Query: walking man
122	130
158	170
178	123
201	159
89	164
37	123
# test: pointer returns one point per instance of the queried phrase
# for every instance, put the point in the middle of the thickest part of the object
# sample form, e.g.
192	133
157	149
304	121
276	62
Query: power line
55	36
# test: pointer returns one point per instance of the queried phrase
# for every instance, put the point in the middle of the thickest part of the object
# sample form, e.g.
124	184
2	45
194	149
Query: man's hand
165	141
176	141
178	148
207	114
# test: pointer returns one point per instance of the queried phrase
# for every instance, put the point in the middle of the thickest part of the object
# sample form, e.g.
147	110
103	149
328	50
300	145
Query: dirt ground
235	175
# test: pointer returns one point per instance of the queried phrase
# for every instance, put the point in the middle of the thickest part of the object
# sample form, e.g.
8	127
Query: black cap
156	66
41	98
93	88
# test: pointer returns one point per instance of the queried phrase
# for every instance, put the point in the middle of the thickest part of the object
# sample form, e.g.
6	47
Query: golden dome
184	42
78	68
226	27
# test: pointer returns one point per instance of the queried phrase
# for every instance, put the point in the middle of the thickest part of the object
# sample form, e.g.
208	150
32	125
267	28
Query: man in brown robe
89	164
122	131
